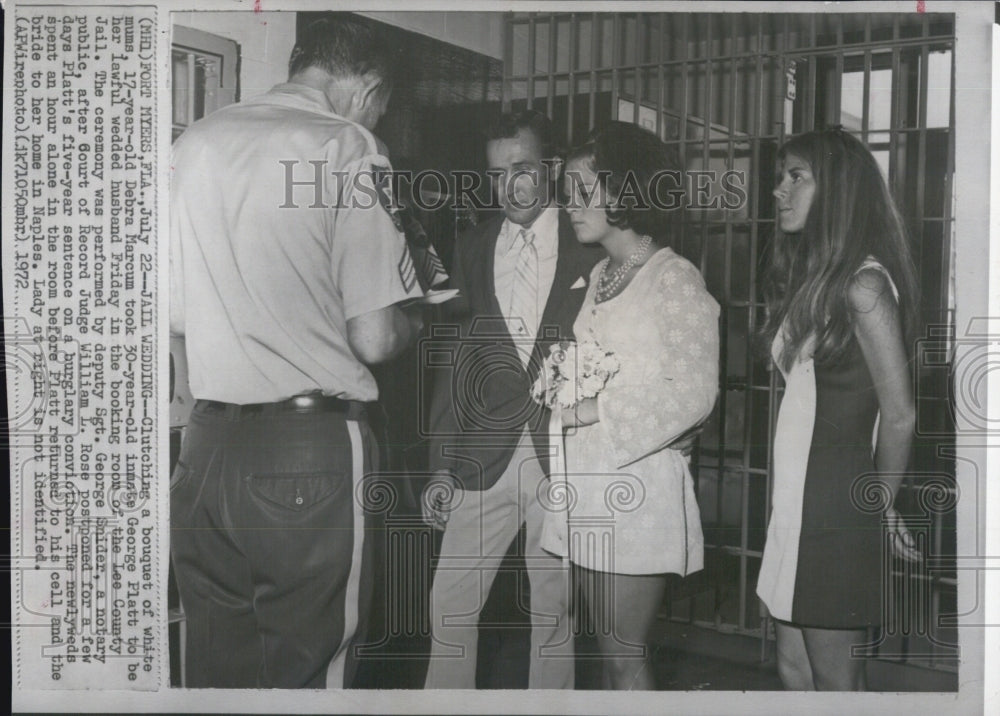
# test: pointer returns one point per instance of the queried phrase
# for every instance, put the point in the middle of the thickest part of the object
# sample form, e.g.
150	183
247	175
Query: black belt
306	403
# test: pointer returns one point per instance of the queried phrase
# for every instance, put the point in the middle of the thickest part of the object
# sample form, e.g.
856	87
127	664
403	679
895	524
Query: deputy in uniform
288	275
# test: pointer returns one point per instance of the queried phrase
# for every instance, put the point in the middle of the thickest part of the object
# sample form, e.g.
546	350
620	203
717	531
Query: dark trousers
268	544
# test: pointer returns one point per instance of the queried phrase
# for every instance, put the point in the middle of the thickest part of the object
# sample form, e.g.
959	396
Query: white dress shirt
546	231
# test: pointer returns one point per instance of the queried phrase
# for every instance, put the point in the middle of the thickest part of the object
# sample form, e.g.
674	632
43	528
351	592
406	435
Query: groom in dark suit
522	278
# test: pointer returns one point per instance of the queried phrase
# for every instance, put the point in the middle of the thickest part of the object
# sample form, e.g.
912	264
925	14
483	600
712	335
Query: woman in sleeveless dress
633	516
840	294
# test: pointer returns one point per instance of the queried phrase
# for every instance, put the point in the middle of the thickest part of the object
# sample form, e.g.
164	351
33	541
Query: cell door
725	89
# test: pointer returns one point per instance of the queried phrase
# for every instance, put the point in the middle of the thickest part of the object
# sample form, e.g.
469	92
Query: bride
631	516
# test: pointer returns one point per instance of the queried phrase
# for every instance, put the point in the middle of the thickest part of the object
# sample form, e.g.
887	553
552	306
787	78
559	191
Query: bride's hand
583	413
903	544
684	443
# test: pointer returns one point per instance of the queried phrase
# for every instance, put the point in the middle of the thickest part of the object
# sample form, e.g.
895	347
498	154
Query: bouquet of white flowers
573	372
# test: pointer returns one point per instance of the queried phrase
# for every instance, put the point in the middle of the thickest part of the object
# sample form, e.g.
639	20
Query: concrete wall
265	41
478	31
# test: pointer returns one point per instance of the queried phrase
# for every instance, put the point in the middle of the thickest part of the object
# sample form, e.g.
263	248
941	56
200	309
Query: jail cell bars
725	90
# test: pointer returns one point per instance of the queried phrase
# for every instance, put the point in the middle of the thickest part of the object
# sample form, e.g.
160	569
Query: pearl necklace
607	286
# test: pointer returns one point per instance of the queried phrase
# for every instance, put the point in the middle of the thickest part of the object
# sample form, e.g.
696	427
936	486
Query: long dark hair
852	217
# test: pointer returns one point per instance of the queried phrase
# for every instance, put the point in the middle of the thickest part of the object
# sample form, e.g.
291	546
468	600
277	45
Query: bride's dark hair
852	217
632	163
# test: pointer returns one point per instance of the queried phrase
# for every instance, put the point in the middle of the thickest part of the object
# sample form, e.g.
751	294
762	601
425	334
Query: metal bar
507	89
720	472
726	99
615	33
902	131
686	53
809	118
574	31
754	96
949	177
730	162
706	112
637	56
922	137
757	114
735	551
706	135
867	83
744	546
810	114
593	69
756	471
894	174
936	531
865	96
779	97
660	129
838	85
189	60
531	61
550	100
903	43
733	98
728	110
922	153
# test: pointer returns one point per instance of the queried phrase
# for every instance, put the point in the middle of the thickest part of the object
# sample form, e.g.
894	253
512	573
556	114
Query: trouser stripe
335	670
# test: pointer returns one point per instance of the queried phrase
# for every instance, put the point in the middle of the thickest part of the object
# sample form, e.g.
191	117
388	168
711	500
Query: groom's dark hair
507	126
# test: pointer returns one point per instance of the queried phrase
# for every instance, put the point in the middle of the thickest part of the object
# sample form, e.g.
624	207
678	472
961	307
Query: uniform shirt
546	230
264	275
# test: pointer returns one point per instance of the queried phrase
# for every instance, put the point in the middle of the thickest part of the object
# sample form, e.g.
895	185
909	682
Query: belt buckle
303	402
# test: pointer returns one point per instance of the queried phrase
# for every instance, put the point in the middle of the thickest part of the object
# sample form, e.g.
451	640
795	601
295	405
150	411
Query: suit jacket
481	399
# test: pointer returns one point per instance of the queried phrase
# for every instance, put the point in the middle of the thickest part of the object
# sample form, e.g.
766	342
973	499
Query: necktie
523	313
